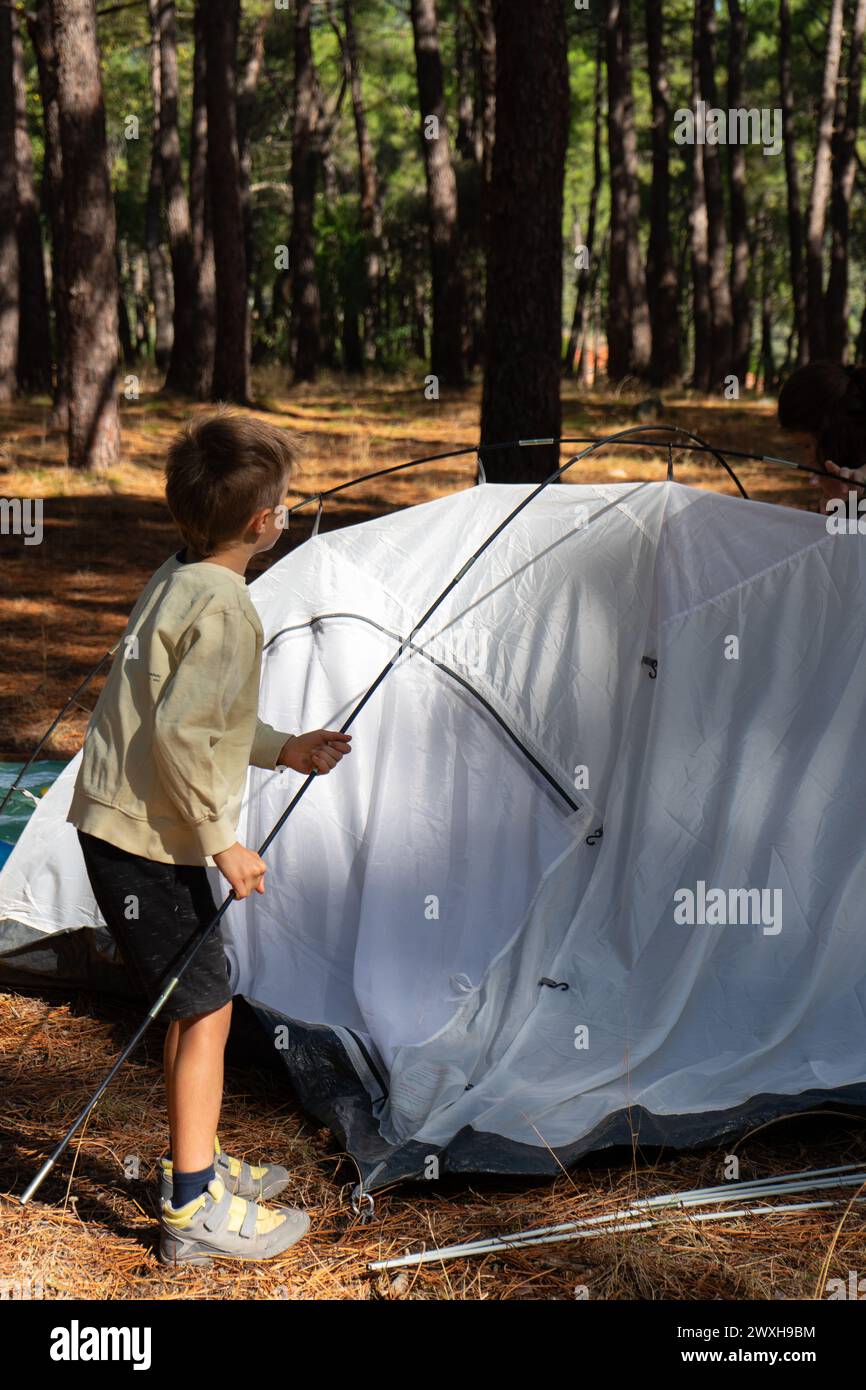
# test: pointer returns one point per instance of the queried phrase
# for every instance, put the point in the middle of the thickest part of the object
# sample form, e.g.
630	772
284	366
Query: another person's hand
837	491
318	751
243	868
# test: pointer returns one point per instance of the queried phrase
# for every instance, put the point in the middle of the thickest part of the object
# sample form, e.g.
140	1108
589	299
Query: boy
158	793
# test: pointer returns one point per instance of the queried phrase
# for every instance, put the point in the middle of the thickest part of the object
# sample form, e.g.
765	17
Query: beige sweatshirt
175	728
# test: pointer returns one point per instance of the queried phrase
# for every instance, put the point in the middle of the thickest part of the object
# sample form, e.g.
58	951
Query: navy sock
185	1187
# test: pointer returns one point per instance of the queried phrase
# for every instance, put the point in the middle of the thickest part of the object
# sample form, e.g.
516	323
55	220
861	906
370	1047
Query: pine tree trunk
487	86
662	284
597	316
247	88
464	140
768	366
586	276
231	374
34	338
141	305
717	237
371	212
619	325
792	183
584	374
629	334
860	352
90	240
200	213
524	273
124	327
446	350
698	235
188	371
159	269
821	180
844	170
158	264
741	301
42	38
306	331
9	287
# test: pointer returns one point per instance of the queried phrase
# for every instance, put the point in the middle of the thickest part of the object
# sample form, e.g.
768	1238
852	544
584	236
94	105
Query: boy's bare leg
194	1052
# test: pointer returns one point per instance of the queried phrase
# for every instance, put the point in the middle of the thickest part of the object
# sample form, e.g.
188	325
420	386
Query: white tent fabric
421	893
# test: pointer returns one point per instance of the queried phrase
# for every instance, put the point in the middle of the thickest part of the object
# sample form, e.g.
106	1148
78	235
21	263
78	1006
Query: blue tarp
20	807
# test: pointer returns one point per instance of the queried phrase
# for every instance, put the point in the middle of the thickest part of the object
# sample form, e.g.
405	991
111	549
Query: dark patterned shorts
153	911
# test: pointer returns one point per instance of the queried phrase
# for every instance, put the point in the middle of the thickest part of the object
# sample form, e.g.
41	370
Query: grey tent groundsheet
595	867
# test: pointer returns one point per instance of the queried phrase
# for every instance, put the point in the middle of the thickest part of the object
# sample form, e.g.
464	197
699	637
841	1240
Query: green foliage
390	98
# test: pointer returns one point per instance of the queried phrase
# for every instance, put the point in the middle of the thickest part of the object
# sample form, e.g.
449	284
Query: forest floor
92	1231
63	603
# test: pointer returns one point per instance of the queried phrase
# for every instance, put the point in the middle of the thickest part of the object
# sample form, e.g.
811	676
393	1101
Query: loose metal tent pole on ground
640	1214
724	1192
499	1245
621	436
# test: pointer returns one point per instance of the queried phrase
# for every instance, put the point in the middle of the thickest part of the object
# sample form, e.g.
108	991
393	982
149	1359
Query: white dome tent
595	868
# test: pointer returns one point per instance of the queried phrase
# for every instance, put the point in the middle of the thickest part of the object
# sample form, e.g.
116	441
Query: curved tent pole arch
479	449
451	673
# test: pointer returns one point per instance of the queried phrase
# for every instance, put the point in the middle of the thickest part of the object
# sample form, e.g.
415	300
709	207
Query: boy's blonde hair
220	469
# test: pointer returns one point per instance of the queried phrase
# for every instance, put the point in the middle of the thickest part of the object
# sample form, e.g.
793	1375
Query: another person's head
826	404
226	476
